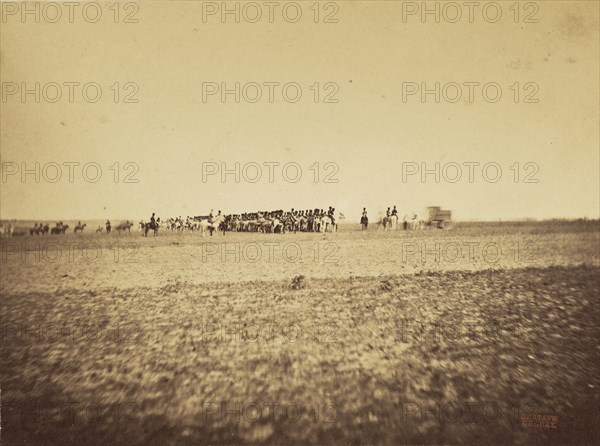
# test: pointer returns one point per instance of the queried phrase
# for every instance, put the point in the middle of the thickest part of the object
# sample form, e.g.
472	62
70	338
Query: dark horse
150	226
364	221
59	229
223	225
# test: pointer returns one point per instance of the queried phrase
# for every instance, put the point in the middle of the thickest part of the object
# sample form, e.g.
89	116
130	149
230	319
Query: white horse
385	223
326	222
210	224
6	230
277	223
415	223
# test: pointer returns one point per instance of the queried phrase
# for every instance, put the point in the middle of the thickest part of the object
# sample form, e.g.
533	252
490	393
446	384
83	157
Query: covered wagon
438	217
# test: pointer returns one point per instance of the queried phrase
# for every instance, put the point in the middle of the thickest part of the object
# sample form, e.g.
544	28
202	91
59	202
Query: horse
288	222
151	226
79	228
277	226
177	225
385	222
325	222
40	230
415	223
252	225
211	224
364	222
265	225
235	225
59	230
124	226
260	224
218	224
301	224
6	231
393	221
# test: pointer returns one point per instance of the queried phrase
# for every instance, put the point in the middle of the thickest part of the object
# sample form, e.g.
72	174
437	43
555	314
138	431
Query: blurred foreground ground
351	338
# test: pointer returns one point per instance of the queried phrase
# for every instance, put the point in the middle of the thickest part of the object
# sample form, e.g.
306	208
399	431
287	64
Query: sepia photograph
297	223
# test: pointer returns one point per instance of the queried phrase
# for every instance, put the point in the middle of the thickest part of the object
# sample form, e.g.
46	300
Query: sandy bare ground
375	344
90	261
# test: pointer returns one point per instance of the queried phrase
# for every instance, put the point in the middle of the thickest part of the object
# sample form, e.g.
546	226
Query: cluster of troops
266	221
59	228
309	220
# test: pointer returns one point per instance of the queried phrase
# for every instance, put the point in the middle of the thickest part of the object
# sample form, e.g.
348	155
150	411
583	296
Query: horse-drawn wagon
438	217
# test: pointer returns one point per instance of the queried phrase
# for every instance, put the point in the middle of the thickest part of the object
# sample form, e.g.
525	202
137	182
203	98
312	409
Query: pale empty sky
547	116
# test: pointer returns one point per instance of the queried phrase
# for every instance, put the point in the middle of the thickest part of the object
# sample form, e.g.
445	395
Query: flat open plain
478	334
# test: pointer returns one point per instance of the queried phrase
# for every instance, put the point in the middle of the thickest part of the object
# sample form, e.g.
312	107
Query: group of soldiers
293	214
233	221
316	213
41	229
293	220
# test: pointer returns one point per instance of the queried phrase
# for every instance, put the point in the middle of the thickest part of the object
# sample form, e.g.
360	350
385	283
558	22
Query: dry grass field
478	334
